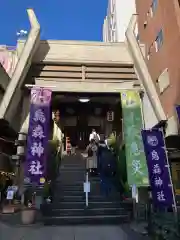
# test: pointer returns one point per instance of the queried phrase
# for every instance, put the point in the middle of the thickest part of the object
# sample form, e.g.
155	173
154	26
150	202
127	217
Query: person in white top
94	136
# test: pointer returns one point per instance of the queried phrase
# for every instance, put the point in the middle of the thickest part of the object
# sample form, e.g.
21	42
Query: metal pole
168	166
87	189
20	169
141	94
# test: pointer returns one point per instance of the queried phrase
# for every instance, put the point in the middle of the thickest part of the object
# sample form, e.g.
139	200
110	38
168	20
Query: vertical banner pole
170	177
86	189
148	204
141	94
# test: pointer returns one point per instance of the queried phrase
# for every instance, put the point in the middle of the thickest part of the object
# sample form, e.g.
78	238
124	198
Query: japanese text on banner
132	124
159	174
35	167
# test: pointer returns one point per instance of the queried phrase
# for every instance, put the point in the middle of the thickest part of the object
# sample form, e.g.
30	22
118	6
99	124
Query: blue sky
59	19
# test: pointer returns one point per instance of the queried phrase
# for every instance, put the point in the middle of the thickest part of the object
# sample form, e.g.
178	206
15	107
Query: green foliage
121	174
165	226
112	141
46	190
53	160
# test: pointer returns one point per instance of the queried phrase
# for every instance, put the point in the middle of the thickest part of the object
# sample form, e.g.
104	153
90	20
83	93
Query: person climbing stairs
69	206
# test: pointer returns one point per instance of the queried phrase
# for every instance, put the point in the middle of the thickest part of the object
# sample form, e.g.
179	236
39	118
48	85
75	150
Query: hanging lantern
110	116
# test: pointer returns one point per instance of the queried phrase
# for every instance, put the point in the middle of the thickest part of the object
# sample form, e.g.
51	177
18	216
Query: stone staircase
68	206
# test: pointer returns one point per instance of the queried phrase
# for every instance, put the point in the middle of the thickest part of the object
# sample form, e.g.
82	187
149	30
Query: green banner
137	171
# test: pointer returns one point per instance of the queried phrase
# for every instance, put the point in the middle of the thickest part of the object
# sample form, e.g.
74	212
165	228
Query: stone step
81	204
85	212
86	220
68	183
69	187
69	205
72	170
77	198
75	177
92	204
69	193
80	192
73	164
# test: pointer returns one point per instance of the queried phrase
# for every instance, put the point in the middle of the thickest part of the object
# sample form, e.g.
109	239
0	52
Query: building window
114	26
145	24
153	7
159	40
113	36
113	8
163	81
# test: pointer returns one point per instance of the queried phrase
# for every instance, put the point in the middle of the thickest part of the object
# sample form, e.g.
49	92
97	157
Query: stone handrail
12	95
142	69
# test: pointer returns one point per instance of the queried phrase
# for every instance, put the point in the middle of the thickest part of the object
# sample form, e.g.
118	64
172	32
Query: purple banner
178	112
159	175
38	134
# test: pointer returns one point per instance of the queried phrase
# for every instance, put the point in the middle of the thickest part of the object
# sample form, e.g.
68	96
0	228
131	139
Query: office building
118	16
119	13
159	30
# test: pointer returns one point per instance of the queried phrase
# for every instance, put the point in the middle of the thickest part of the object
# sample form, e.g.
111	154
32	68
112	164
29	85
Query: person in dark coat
107	170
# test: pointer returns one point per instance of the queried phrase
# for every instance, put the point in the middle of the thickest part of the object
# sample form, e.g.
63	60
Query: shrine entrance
81	112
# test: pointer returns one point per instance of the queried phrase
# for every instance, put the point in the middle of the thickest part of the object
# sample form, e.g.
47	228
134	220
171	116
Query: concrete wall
82	52
150	118
84	86
4	78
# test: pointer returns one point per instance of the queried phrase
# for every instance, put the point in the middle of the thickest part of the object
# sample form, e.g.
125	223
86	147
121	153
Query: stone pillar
25	113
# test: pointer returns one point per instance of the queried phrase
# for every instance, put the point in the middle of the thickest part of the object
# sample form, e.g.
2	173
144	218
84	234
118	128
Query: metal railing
86	192
86	183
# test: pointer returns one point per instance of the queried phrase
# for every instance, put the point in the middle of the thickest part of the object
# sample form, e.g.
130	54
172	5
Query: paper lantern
110	116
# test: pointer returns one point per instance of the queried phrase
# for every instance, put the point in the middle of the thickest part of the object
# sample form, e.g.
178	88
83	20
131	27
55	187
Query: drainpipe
142	70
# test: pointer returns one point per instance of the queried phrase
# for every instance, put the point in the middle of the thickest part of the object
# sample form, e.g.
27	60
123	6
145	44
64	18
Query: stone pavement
39	232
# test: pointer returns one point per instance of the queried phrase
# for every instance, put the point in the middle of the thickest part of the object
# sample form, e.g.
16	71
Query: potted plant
17	200
28	212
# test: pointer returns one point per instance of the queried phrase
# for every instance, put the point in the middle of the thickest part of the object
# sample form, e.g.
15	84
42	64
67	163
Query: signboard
38	134
10	195
132	124
135	193
158	168
13	188
86	187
